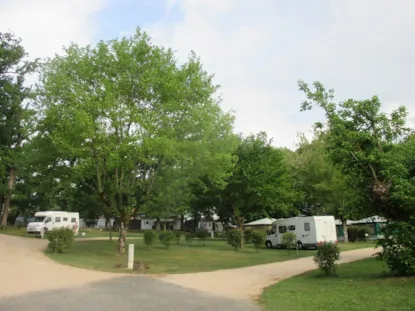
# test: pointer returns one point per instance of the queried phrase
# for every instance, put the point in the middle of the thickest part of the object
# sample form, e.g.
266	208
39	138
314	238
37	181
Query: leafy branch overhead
366	144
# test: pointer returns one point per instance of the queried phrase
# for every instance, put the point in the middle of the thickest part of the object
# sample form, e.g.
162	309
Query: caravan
309	231
47	221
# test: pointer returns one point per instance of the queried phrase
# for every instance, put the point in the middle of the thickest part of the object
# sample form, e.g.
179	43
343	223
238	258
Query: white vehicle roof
50	213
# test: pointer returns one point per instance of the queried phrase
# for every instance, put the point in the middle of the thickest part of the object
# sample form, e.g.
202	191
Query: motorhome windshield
39	218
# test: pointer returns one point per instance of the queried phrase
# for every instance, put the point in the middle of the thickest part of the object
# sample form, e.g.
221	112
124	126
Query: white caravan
309	231
52	220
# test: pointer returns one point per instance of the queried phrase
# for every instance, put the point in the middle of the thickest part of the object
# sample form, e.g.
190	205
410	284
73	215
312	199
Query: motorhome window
73	220
57	219
65	218
291	228
39	219
282	229
48	220
306	226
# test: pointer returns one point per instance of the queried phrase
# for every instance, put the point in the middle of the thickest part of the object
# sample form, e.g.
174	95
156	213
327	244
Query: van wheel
268	244
300	245
45	230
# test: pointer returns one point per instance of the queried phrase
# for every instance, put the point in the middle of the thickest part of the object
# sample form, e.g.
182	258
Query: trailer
309	231
49	220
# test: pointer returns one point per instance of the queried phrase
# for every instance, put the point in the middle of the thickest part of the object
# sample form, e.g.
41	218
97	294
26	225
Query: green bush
60	239
166	237
289	240
234	238
189	236
326	256
202	235
248	236
178	236
149	237
217	235
258	238
357	233
398	248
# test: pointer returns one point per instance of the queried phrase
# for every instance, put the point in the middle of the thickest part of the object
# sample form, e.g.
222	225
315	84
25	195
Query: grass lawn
89	233
214	255
360	286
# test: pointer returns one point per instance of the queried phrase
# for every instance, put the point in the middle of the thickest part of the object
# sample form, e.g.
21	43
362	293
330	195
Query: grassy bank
89	233
360	286
214	255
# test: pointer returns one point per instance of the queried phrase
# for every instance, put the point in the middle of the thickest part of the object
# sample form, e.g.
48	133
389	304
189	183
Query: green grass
215	255
89	233
359	286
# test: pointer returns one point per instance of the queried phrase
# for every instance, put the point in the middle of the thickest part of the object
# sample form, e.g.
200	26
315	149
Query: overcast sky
257	49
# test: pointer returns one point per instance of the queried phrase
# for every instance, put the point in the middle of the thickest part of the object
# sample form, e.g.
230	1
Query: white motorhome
309	231
50	220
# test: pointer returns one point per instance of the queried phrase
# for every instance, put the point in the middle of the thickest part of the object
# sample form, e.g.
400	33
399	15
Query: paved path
30	281
248	282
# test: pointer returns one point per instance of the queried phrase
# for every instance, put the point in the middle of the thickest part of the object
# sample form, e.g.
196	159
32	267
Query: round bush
234	238
149	237
166	237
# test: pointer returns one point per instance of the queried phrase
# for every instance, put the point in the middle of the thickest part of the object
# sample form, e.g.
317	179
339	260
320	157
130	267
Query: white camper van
309	231
52	220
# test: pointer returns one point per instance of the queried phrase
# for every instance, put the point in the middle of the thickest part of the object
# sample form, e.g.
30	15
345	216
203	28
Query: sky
257	49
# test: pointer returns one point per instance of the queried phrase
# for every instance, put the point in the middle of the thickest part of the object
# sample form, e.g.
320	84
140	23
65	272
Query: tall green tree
260	184
326	189
15	114
364	143
124	107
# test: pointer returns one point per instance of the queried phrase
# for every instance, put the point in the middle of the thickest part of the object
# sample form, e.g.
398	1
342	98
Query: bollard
130	256
211	234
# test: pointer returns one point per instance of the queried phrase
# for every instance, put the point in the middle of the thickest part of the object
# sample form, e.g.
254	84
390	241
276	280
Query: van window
57	219
282	229
65	218
47	220
306	226
73	220
291	228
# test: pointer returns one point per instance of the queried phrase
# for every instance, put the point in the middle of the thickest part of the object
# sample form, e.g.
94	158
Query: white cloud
45	26
259	49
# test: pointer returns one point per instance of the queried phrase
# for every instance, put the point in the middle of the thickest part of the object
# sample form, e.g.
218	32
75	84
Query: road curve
249	282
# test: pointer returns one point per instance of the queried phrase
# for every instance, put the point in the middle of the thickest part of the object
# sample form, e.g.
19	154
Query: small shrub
60	239
202	235
149	237
258	238
398	248
166	237
189	238
326	256
234	238
248	236
217	235
178	236
289	240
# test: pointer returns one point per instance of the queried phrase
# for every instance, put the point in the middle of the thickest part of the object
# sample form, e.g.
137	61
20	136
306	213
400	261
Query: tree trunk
158	227
345	234
122	236
241	229
10	183
182	222
165	225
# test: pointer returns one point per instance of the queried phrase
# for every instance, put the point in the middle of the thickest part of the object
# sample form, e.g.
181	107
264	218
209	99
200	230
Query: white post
211	234
130	256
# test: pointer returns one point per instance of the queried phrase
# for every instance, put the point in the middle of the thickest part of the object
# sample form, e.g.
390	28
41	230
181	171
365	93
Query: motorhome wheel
300	245
268	244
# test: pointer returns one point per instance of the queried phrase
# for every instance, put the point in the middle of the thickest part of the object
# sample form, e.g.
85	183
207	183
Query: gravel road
33	282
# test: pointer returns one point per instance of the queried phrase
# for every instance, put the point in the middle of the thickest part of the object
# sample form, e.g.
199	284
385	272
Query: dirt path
27	269
249	282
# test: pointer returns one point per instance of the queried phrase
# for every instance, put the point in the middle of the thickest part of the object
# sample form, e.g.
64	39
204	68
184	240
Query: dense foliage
326	256
398	248
60	239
